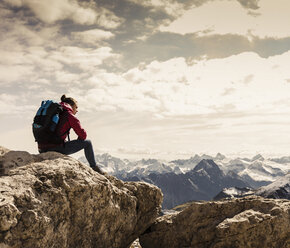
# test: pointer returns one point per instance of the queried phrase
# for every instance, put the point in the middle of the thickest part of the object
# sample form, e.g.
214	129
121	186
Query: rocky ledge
52	200
246	222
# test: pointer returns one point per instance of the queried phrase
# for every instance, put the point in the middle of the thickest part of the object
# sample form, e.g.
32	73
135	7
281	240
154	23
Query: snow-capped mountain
233	192
279	189
108	163
282	160
145	167
201	183
186	165
257	171
199	177
116	166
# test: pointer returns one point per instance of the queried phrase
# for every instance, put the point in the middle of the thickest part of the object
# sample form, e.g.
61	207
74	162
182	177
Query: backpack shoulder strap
63	120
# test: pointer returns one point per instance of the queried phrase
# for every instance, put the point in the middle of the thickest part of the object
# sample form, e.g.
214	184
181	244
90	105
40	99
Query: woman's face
75	109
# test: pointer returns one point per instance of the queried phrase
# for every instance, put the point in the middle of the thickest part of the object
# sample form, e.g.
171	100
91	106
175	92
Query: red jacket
70	121
67	121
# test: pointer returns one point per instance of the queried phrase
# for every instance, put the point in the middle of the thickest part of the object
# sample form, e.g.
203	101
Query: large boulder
52	200
245	222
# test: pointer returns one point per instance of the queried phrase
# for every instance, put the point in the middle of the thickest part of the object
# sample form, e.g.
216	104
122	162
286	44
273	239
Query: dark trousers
74	146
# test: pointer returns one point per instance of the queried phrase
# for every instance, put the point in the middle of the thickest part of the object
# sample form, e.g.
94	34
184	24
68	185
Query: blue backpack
45	123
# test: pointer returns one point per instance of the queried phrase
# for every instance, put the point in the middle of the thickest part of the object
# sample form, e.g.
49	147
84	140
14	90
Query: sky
153	78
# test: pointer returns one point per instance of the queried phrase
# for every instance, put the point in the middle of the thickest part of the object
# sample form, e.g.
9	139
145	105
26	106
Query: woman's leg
74	146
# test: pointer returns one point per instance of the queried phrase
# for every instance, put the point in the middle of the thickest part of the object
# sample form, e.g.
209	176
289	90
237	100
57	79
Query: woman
66	122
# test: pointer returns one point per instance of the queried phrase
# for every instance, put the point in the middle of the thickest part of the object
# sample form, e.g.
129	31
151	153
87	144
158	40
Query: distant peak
196	156
207	164
205	156
106	155
220	156
149	161
258	157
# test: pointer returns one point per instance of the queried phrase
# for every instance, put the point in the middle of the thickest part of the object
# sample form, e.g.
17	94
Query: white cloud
64	77
14	73
173	88
7	103
172	7
223	17
52	11
81	13
86	59
43	58
29	54
108	19
11	104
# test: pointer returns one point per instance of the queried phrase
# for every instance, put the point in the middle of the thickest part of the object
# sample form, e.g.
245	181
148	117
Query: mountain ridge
256	171
279	189
202	183
197	178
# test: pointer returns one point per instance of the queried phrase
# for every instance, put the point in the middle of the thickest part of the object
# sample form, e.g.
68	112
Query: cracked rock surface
240	223
52	200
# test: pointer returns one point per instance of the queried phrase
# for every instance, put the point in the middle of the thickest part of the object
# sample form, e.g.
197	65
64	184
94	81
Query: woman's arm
76	126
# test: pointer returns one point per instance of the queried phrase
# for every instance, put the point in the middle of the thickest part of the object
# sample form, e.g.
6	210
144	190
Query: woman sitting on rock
68	120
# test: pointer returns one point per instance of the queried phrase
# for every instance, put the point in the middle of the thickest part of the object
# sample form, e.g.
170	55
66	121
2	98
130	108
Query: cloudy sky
153	78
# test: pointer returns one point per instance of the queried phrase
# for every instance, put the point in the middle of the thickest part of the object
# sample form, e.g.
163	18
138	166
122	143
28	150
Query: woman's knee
88	143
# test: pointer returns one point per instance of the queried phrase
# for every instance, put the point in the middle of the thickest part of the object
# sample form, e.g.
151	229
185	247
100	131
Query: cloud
164	46
84	13
177	76
92	36
52	11
33	53
84	59
210	16
28	54
174	88
248	79
249	4
171	7
228	91
7	103
15	73
11	104
14	3
175	7
107	19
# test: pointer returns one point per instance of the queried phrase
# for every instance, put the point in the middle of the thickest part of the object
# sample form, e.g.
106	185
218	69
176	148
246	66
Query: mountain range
279	189
199	177
201	183
256	171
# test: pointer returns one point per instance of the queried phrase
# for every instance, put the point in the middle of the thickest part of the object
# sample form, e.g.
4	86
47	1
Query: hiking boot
97	169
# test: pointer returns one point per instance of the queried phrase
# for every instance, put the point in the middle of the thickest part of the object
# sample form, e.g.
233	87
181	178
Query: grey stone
52	200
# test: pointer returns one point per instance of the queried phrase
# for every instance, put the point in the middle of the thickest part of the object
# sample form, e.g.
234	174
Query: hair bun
63	98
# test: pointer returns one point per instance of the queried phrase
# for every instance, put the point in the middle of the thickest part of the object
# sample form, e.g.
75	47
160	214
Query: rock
52	200
3	150
245	222
136	244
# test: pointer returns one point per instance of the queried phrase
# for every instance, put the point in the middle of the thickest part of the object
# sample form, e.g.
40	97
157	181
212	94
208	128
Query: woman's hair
68	100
